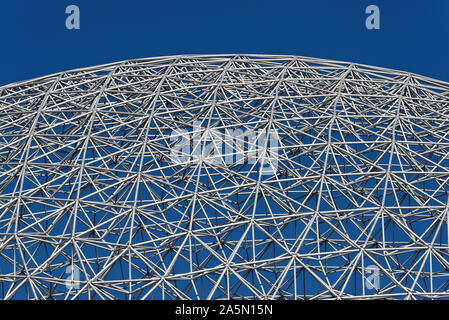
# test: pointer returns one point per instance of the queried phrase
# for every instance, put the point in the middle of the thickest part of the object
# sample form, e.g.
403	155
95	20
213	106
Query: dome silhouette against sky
225	176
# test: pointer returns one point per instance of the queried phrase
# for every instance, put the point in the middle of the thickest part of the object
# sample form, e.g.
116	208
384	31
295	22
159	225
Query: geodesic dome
95	202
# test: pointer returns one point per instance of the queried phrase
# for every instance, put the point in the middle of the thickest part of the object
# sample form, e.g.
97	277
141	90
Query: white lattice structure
89	192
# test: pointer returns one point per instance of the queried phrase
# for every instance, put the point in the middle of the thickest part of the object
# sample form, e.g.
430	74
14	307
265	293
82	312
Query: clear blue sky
414	35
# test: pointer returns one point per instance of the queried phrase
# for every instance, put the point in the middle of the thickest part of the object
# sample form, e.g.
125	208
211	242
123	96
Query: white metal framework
93	207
